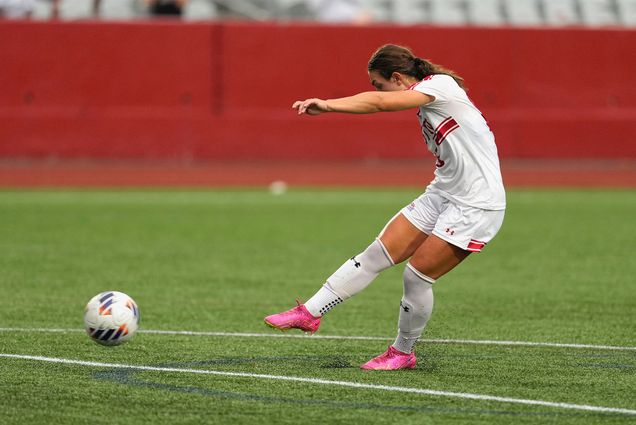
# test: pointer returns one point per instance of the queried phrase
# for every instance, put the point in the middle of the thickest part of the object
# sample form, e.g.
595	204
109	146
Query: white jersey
467	168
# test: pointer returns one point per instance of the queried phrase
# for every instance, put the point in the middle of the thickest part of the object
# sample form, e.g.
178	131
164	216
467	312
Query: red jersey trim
475	245
428	77
445	128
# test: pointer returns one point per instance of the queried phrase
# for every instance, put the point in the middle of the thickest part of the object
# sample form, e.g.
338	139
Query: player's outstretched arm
364	103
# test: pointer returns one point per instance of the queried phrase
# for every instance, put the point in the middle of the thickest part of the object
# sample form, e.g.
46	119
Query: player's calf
351	278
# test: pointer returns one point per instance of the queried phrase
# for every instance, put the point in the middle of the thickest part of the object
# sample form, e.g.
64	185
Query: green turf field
560	271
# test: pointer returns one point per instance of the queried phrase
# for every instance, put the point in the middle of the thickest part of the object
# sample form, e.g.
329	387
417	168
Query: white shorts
469	228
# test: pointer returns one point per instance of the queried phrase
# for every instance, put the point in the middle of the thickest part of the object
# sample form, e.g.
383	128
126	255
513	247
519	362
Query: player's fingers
303	105
298	105
307	104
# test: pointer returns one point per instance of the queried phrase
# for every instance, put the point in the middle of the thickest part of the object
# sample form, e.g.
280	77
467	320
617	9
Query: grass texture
561	270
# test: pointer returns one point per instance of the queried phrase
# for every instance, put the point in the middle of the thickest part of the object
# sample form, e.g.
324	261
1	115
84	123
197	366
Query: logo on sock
355	263
405	307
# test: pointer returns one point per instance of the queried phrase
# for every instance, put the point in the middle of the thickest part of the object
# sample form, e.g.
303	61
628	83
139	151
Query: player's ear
396	78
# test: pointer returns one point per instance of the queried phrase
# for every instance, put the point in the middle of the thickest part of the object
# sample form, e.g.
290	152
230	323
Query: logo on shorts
450	231
411	207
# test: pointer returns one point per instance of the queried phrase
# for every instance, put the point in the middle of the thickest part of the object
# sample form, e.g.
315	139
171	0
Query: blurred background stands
554	13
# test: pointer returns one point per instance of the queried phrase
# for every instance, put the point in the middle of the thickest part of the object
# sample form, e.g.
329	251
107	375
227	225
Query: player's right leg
353	276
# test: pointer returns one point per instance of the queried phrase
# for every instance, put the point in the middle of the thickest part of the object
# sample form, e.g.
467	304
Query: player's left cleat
296	318
392	359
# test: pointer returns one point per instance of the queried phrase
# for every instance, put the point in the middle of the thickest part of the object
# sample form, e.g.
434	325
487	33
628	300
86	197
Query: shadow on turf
129	377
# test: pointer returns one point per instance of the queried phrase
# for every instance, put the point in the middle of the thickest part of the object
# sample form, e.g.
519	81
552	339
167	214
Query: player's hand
311	106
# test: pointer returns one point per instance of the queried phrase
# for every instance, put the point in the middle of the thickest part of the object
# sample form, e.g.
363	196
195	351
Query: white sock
352	277
415	308
323	301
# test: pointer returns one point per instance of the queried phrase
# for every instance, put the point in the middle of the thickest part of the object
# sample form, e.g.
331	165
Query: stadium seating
381	10
42	9
448	12
524	13
409	11
561	12
485	12
596	13
119	9
71	10
626	12
200	10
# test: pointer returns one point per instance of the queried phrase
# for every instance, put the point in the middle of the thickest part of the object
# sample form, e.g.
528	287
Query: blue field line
317	381
345	337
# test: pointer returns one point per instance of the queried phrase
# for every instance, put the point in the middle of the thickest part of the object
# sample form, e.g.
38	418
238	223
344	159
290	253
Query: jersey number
438	134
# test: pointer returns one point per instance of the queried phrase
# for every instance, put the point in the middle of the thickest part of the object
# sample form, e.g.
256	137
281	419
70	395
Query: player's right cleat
296	318
392	359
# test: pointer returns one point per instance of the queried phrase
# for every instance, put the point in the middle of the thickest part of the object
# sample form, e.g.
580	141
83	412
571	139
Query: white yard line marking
344	337
528	344
482	397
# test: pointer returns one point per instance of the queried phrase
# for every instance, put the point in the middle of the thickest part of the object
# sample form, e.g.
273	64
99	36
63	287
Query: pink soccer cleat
296	318
392	359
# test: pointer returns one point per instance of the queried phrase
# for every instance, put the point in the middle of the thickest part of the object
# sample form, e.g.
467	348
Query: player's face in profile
382	84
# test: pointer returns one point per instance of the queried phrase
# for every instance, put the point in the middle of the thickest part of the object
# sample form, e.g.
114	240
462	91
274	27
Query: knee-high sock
415	308
352	277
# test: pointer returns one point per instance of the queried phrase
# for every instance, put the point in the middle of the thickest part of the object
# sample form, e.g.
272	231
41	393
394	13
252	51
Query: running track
413	173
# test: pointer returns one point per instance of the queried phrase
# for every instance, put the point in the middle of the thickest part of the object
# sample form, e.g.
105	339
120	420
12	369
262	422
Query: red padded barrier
224	90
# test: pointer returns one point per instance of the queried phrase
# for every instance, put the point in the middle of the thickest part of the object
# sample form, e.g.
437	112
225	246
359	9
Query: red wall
224	90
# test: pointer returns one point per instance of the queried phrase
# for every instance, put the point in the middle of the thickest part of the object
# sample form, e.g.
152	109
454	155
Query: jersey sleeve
439	86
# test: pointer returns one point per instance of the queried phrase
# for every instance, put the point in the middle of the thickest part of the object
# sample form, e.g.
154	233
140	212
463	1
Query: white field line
481	397
344	337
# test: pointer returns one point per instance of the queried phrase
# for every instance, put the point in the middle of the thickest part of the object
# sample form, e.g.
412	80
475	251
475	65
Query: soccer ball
111	318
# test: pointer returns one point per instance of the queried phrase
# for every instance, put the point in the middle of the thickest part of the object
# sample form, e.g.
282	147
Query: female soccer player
460	212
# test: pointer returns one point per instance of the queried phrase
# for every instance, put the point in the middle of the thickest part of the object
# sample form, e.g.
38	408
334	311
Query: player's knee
418	288
413	276
359	271
375	258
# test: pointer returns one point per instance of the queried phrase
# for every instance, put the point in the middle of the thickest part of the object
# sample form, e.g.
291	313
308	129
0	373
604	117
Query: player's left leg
459	231
434	258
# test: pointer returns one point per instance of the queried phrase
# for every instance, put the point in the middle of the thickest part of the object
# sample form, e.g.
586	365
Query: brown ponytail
391	58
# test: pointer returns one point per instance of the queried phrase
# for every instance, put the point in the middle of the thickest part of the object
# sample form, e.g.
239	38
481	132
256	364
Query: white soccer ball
111	318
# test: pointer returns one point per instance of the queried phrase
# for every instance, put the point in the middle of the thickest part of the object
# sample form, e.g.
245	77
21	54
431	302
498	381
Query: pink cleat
392	359
296	318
